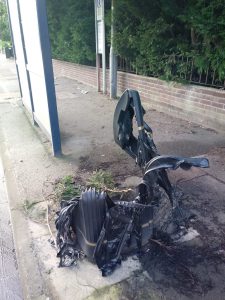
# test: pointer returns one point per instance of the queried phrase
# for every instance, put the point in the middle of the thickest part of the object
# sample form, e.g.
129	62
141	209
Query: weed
66	188
68	180
27	205
35	210
101	180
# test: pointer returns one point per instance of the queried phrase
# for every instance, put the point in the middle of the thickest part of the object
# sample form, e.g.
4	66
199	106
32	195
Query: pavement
87	143
10	287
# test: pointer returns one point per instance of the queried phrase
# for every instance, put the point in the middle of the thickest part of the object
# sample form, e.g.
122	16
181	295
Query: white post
103	50
112	59
97	51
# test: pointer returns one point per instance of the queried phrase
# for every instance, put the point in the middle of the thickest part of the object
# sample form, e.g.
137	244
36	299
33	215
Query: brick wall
202	105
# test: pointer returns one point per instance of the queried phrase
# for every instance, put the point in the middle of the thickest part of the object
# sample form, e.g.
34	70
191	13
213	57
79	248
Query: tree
205	19
72	30
4	26
152	33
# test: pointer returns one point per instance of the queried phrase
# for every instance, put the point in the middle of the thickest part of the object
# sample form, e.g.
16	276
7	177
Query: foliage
66	188
72	30
5	39
150	34
101	180
206	22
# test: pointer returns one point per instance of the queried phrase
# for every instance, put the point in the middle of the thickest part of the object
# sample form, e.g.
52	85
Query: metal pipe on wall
113	58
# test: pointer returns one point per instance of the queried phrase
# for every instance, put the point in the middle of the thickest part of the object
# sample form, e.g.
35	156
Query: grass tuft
67	189
101	180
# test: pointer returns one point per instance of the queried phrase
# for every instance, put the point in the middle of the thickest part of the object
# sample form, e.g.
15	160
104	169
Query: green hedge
149	33
72	30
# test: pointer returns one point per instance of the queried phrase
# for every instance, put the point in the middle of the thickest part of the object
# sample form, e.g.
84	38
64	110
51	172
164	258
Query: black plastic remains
103	230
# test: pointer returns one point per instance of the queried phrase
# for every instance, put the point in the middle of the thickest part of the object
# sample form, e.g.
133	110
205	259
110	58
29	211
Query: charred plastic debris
105	230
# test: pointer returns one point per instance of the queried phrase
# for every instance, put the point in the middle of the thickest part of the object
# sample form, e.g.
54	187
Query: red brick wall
202	105
84	74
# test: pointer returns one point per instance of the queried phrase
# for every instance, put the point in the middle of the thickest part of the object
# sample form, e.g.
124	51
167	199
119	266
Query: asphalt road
10	288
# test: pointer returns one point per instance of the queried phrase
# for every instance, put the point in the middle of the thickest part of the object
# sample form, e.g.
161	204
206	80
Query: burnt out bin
8	52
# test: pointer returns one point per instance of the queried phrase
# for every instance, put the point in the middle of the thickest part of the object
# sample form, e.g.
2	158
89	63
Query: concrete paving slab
84	278
10	287
9	87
